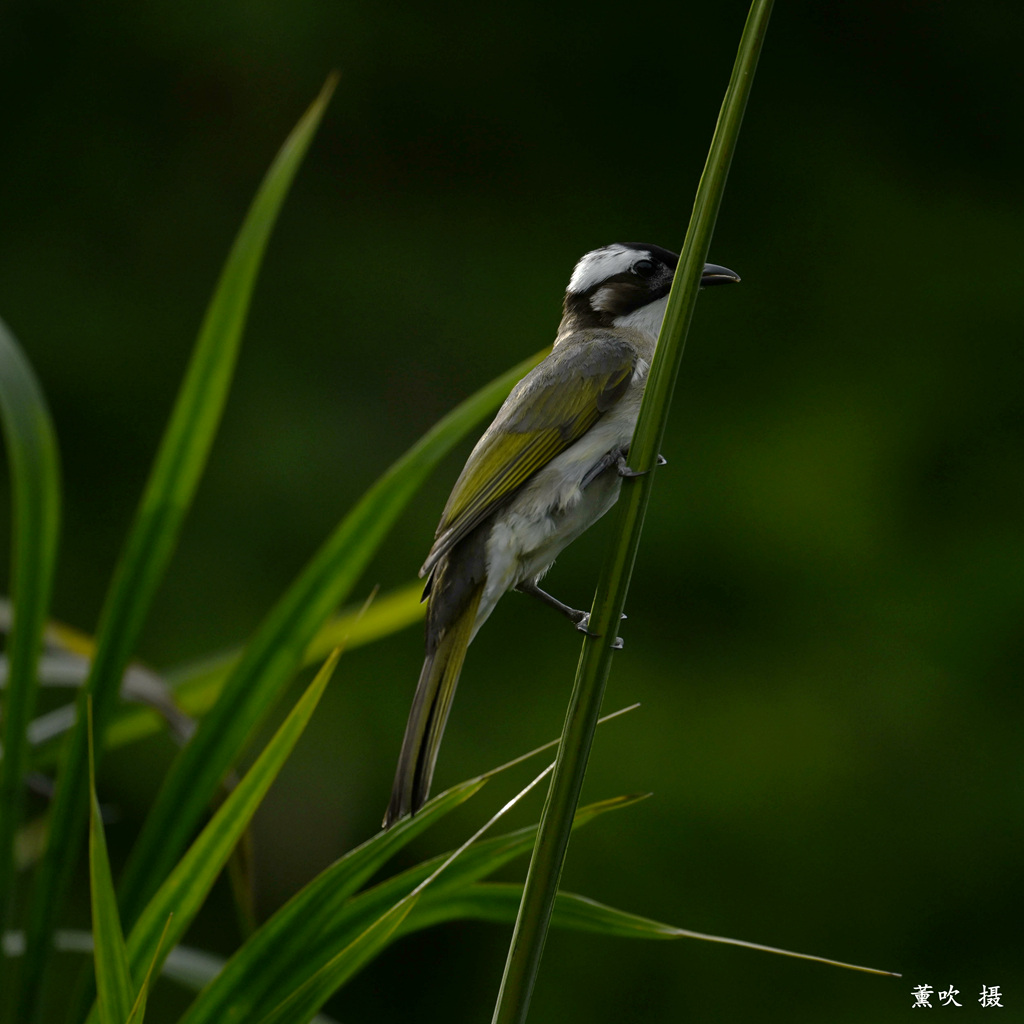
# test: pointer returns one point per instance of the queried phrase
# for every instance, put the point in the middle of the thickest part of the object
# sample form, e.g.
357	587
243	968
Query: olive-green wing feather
549	409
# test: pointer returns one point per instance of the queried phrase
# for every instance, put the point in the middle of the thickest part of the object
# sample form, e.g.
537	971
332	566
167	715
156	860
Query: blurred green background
826	623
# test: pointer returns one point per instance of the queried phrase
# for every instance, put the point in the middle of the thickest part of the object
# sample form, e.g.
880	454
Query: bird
549	466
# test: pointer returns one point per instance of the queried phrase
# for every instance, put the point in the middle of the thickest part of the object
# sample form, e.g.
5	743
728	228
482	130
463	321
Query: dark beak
713	274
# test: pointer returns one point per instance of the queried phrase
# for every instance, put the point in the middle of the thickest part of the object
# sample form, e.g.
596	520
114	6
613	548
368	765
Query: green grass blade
478	862
261	968
263	963
186	888
527	945
113	976
279	644
138	1013
302	1003
313	950
31	446
499	902
181	896
168	494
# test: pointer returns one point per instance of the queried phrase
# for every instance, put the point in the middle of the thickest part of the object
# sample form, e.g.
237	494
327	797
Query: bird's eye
643	268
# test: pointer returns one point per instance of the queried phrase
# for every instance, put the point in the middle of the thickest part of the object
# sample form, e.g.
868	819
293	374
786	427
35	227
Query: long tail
435	692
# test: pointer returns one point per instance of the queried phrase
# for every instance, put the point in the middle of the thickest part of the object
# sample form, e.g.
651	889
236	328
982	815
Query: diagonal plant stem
545	869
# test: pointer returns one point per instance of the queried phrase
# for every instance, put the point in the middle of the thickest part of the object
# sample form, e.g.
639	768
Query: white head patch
599	265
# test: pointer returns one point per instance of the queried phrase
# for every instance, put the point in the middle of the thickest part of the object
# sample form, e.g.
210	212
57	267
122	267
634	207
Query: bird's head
626	284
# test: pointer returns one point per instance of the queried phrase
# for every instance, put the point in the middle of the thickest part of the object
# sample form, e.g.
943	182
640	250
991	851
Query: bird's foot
583	626
625	471
583	623
580	619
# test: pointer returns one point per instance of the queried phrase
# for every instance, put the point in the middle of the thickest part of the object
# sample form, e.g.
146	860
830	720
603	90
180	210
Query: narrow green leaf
291	964
279	644
479	861
321	918
300	1005
113	977
35	491
185	890
499	902
139	1009
264	962
154	533
527	944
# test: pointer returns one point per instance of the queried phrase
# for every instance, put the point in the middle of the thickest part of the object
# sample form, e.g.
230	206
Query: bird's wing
549	409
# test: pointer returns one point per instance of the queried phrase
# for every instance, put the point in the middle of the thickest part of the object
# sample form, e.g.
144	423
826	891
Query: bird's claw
624	469
583	626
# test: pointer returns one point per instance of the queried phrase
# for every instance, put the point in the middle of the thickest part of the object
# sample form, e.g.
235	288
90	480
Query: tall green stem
528	939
